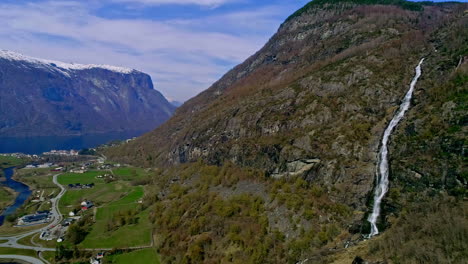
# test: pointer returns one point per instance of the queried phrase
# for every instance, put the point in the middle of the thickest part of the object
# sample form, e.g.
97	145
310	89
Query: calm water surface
38	145
22	190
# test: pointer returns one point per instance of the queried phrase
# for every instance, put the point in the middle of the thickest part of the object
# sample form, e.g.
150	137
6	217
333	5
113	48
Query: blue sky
185	45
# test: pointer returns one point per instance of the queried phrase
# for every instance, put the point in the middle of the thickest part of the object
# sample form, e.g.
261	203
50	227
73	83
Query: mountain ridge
10	55
56	98
217	89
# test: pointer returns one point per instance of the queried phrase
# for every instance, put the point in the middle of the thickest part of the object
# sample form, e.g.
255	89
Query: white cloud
183	57
208	3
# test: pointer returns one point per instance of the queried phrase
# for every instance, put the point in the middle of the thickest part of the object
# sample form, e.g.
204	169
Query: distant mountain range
41	97
176	103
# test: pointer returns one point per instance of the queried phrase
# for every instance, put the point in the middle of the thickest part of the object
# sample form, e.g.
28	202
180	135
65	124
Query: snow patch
59	66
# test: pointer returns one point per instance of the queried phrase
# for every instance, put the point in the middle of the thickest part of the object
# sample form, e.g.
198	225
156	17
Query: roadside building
38	217
86	205
67	221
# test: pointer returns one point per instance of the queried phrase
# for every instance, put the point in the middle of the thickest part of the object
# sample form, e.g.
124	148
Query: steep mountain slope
321	89
292	135
40	97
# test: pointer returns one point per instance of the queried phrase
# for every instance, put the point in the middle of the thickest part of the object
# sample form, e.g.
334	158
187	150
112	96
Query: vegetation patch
6	197
142	256
135	175
132	197
209	213
441	237
17	251
10	161
83	178
49	256
100	194
121	224
401	3
119	227
38	179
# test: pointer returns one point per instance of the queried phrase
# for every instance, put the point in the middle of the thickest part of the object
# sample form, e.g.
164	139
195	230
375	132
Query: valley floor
116	220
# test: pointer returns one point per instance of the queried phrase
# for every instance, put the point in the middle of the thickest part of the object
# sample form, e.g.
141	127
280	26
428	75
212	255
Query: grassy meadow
137	233
142	256
9	161
119	221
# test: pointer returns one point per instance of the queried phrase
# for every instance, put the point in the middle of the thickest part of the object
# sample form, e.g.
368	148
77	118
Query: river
23	193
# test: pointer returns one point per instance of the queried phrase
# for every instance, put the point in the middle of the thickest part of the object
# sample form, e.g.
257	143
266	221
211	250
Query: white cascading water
382	168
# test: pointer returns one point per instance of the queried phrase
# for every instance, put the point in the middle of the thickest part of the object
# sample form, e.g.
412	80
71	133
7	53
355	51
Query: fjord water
22	190
382	166
37	145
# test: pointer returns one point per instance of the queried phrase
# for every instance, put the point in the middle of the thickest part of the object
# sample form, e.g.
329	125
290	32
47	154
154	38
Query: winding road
12	241
24	258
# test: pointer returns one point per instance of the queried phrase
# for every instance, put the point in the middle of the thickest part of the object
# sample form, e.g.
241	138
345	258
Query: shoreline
10	190
13	191
17	178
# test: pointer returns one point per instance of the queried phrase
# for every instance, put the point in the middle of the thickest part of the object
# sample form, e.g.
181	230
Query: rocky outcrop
40	97
295	168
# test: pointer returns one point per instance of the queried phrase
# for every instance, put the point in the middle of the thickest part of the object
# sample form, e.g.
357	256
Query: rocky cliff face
40	97
322	88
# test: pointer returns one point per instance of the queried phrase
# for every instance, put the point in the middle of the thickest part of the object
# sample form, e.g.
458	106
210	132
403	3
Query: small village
76	174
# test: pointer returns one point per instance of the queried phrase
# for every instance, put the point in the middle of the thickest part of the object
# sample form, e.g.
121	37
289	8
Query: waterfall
382	165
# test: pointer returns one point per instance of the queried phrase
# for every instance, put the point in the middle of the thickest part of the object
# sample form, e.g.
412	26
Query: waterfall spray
382	165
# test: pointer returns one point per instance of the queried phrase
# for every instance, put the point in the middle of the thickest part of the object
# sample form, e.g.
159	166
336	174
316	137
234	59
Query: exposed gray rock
295	168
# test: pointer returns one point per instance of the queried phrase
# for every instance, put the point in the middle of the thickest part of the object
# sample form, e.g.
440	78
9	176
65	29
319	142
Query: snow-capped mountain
45	97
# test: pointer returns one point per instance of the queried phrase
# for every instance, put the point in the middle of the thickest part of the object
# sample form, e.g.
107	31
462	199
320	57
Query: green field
17	251
8	229
126	236
142	256
100	194
34	171
129	173
117	197
35	238
8	161
83	178
37	179
49	255
133	197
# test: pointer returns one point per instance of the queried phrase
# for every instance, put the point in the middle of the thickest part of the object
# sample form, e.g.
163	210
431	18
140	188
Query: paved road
42	258
12	241
24	258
